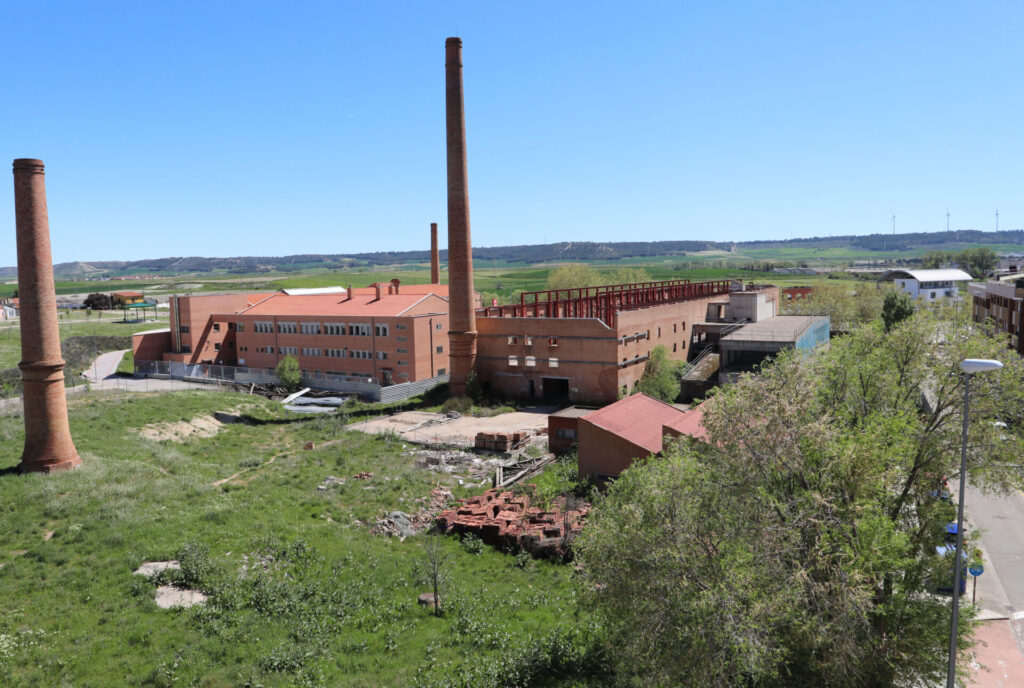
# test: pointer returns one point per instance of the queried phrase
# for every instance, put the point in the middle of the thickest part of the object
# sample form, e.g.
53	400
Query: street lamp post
969	366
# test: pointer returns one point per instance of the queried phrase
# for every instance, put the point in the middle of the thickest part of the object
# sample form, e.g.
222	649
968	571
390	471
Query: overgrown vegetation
302	593
797	546
661	376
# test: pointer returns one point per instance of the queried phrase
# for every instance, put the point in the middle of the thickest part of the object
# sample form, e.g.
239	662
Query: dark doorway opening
555	387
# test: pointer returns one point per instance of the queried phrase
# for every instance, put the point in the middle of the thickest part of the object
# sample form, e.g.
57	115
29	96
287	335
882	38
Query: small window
381	330
183	329
674	326
528	341
659	333
440	349
216	326
400	327
442	371
310	328
513	340
513	361
403	351
552	362
403	375
216	346
552	341
437	326
531	361
186	349
240	327
382	355
403	339
401	363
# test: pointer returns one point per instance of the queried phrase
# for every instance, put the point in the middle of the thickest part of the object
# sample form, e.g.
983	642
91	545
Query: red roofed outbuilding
611	438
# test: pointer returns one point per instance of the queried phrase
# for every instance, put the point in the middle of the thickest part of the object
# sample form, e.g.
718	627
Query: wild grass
302	593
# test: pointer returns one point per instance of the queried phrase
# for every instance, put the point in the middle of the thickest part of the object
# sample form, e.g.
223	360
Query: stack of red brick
499	441
507	521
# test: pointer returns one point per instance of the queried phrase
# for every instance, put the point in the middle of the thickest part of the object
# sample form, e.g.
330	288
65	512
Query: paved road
1001	520
1000	646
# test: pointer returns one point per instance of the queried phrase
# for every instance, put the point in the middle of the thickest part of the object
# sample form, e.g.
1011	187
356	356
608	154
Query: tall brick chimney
435	259
48	445
462	319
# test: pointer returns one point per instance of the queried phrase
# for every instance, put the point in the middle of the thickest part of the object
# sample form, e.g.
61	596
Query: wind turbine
997	218
947	218
893	221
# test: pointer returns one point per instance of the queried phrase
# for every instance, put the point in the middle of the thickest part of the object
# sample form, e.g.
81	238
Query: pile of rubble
455	461
499	441
402	525
506	520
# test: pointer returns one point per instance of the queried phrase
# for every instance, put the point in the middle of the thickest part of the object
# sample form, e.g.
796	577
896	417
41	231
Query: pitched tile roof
361	304
690	423
637	419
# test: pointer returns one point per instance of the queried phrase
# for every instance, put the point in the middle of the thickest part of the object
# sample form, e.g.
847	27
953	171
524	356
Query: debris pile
329	482
499	441
402	525
455	461
506	520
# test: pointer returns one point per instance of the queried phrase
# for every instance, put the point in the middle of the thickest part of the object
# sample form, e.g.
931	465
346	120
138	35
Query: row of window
354	329
528	340
530	361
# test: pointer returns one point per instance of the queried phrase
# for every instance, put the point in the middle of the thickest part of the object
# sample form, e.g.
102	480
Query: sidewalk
998	661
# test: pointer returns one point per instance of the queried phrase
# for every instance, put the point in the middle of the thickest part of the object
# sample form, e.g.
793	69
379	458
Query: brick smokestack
48	445
462	319
435	258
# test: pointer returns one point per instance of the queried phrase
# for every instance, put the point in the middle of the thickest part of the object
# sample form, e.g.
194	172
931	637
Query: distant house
8	312
929	285
611	438
126	298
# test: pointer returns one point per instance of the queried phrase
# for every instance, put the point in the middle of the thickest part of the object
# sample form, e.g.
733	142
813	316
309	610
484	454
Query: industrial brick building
591	345
1000	306
388	332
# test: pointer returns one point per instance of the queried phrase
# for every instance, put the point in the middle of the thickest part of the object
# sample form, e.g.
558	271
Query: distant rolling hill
537	253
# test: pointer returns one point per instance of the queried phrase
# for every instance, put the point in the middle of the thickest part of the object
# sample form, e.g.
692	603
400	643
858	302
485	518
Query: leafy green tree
797	546
933	260
660	379
289	374
848	304
574	276
896	308
977	261
627	276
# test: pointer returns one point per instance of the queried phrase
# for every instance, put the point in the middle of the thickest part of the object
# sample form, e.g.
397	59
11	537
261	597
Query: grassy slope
337	606
73	325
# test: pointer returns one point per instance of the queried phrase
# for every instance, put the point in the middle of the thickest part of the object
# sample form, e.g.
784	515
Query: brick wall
602	453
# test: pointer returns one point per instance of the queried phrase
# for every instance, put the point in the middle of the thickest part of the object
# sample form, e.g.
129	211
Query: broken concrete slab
153	567
172	597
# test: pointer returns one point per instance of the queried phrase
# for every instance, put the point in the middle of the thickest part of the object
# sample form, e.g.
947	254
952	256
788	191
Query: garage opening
555	388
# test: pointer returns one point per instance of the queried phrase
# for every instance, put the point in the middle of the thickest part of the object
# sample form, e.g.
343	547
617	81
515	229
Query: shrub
289	374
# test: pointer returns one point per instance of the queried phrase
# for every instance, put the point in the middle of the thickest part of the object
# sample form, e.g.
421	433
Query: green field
302	592
73	324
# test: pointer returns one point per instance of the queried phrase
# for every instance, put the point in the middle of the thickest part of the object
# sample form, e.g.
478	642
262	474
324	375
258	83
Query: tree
896	308
848	304
99	302
289	374
933	260
977	261
660	379
433	570
627	276
797	546
573	276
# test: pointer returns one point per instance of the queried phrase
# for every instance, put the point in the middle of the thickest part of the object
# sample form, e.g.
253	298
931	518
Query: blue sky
252	128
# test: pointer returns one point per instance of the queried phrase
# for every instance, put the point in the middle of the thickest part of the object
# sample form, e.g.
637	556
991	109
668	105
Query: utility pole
997	218
947	218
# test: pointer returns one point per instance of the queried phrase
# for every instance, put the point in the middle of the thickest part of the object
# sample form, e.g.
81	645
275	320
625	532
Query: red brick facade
582	359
